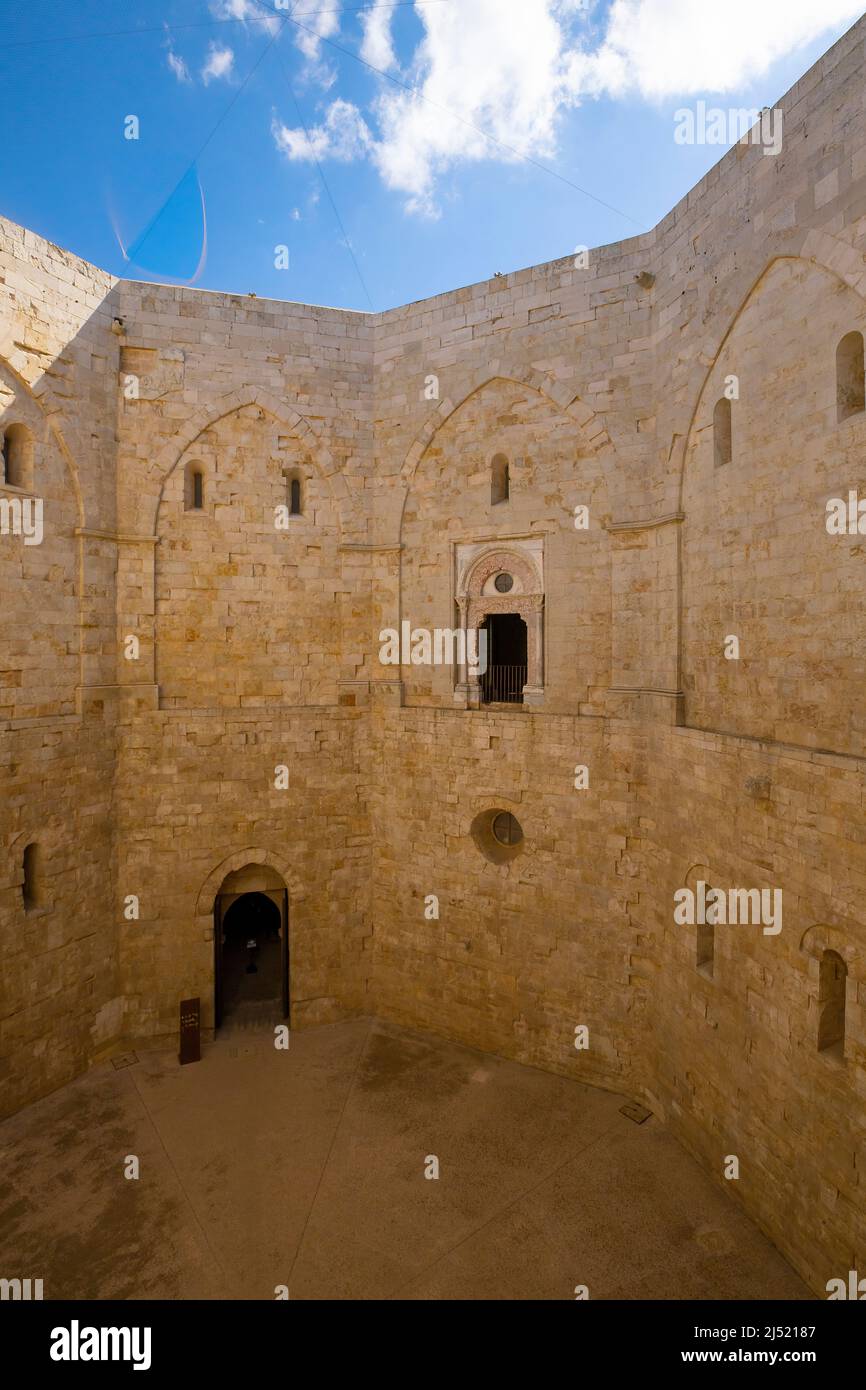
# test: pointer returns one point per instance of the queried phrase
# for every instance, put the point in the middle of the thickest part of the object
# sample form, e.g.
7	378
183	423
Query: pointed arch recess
304	431
560	394
49	408
817	248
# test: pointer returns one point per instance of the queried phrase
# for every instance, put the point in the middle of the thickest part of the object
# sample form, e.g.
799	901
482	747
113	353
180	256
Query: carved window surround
476	565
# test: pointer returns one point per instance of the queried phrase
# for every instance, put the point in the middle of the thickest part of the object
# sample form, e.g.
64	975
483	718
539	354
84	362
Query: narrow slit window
706	948
31	888
295	497
832	985
850	376
500	483
194	489
723	448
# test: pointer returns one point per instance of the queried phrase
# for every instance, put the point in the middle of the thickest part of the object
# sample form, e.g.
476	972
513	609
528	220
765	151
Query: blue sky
431	173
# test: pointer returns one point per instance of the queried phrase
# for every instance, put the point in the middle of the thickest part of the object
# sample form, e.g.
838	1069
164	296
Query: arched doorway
505	676
251	947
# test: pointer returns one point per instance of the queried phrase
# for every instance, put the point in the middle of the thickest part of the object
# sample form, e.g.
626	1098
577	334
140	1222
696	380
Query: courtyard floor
305	1168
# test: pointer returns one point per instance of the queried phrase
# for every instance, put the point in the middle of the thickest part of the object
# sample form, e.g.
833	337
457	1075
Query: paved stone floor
306	1168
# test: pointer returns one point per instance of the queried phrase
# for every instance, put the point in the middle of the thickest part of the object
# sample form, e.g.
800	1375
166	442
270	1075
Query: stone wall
735	1058
58	1001
519	954
758	562
160	661
197	799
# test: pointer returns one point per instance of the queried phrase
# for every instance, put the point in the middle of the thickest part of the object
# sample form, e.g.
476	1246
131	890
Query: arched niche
756	515
242	615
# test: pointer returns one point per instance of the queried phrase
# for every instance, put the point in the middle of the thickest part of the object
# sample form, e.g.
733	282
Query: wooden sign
190	1031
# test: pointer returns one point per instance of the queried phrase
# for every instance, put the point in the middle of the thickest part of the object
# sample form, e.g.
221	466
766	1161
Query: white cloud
315	27
662	48
378	47
220	62
477	69
247	10
344	135
473	72
178	67
312	27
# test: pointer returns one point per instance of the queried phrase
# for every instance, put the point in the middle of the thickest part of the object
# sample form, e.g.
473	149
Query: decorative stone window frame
526	600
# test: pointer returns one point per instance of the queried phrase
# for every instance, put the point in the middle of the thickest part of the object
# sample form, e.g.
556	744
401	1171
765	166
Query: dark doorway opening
505	677
252	960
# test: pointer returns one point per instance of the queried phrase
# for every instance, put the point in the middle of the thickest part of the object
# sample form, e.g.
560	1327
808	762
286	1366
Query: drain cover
633	1111
128	1059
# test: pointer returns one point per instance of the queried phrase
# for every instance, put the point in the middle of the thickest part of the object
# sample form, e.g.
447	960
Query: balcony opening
505	677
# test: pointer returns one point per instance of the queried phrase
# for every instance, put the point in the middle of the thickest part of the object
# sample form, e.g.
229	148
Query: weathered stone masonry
154	776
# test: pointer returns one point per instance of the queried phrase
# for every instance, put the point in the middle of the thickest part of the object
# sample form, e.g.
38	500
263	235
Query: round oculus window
507	829
503	583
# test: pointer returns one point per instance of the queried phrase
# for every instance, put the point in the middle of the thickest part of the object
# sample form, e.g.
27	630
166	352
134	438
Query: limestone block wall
758	562
758	274
196	800
246	593
735	1055
521	953
58	1002
152	773
208	355
251	391
644	589
248	623
40	634
551	472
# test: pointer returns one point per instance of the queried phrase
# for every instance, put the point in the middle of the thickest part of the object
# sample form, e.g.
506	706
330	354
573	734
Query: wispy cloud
178	67
344	135
377	47
473	75
662	48
175	62
315	27
249	11
220	62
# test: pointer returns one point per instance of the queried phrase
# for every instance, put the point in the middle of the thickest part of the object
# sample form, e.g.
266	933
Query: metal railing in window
503	685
